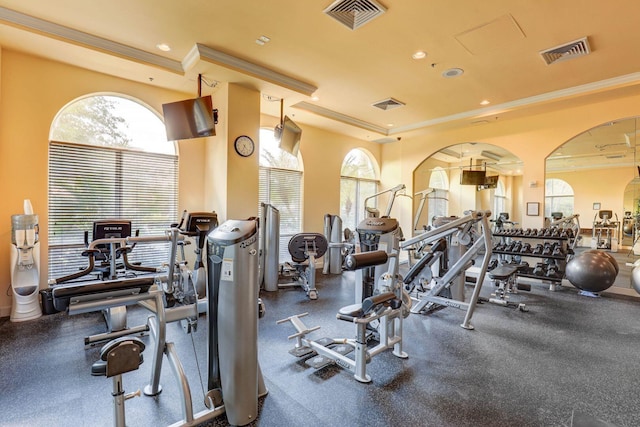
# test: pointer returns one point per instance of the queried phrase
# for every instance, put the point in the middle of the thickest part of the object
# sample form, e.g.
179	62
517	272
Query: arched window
438	204
109	159
499	200
358	181
280	185
558	197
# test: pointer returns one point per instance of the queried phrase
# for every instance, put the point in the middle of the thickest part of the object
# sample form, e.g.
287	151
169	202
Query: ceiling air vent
566	51
388	104
354	13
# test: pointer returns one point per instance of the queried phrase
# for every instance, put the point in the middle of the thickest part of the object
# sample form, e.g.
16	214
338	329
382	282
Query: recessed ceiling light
485	102
315	98
262	40
390	125
163	47
419	55
452	72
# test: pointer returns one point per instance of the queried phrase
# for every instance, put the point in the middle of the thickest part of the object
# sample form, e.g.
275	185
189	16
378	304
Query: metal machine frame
463	229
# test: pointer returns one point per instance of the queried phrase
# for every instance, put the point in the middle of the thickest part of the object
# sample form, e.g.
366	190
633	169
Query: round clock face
244	146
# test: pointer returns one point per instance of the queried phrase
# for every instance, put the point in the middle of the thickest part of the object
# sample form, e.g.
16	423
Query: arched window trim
141	103
551	198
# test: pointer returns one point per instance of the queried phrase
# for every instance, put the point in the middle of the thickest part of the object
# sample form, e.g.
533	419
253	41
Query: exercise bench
505	280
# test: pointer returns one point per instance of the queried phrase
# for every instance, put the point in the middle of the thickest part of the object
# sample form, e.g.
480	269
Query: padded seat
503	272
353	310
118	356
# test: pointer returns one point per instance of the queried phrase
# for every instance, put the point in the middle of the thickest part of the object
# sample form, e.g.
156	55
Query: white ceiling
496	42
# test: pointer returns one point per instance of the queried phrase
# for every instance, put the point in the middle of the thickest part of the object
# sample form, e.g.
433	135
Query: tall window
558	197
358	181
280	185
438	204
109	159
499	200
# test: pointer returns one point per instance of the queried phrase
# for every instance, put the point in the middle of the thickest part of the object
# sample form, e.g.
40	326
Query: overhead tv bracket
190	118
473	177
287	133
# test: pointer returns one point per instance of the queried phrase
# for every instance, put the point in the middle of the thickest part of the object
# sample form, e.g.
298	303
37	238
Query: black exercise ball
591	272
608	256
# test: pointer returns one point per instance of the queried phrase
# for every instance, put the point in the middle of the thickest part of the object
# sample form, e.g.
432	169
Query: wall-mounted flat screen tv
191	118
288	134
470	177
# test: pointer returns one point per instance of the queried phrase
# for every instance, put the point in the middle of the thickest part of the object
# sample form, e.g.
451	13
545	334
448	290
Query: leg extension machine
385	307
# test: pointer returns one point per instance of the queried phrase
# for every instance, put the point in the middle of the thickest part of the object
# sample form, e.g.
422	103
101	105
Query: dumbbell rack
556	240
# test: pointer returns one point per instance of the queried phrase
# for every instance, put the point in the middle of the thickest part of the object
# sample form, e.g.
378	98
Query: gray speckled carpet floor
569	361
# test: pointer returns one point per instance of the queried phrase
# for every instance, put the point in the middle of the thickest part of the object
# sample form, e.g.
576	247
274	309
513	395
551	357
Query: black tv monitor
491	181
191	118
110	228
470	177
288	134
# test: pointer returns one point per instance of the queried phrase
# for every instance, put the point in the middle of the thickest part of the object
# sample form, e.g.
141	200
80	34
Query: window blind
353	193
89	183
282	189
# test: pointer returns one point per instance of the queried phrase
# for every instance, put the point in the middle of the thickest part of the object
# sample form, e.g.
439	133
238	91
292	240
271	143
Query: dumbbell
552	271
538	270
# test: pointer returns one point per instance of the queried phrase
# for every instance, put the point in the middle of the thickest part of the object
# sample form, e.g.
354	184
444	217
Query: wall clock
244	146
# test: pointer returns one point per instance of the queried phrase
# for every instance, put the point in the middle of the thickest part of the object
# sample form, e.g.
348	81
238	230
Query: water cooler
25	265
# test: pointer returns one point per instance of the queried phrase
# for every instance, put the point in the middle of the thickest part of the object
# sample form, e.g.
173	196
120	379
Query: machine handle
365	259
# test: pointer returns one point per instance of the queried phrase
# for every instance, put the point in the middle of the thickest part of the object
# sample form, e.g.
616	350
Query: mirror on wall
467	176
596	175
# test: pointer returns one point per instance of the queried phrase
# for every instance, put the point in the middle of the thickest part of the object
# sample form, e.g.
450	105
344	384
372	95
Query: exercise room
350	212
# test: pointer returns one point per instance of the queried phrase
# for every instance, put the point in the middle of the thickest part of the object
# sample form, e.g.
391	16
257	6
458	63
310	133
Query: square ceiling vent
566	51
354	13
388	104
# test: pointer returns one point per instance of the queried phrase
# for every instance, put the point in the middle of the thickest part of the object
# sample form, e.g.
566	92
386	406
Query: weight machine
304	248
454	244
387	307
